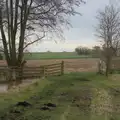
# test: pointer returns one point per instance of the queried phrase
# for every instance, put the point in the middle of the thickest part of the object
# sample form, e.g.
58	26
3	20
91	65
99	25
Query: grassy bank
77	96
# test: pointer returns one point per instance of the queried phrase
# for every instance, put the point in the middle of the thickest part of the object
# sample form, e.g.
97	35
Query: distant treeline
94	52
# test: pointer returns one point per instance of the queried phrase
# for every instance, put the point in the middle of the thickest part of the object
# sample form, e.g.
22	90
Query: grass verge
77	96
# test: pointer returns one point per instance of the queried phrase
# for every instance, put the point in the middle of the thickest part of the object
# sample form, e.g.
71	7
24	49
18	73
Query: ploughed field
71	65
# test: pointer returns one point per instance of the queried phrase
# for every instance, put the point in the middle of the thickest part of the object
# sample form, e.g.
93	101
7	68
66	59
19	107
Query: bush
83	51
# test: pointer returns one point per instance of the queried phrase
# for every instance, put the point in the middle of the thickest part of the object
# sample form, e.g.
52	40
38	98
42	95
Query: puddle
5	87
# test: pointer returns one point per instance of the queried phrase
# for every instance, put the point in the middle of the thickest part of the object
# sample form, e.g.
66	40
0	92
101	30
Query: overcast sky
82	32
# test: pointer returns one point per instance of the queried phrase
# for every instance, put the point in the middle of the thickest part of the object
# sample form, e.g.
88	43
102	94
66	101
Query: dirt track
71	65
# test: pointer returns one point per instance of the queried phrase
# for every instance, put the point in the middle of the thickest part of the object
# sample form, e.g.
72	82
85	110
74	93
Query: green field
53	55
78	96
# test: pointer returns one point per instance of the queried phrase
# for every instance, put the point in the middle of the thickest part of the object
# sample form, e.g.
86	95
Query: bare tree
25	22
108	30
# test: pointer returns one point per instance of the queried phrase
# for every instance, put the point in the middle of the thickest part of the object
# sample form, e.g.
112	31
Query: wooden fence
34	72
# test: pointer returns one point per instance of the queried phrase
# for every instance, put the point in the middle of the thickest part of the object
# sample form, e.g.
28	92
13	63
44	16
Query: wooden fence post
44	73
62	68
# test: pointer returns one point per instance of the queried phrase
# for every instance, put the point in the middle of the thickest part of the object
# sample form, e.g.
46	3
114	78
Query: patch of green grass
78	96
53	55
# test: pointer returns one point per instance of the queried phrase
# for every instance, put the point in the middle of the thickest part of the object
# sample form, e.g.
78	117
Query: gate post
62	68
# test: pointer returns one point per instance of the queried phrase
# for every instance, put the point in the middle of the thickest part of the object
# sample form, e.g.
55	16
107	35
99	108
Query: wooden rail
30	72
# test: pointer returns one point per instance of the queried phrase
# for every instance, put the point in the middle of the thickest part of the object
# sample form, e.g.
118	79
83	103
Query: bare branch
38	39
